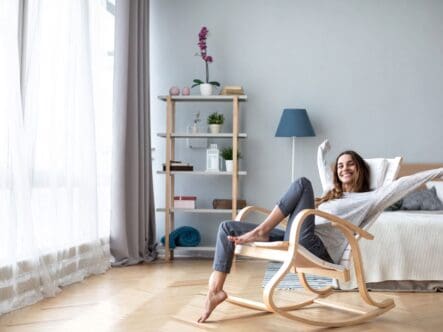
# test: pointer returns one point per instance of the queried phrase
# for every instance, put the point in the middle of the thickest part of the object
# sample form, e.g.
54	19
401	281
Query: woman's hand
325	146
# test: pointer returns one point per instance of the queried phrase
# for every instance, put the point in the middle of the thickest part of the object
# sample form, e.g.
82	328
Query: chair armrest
344	222
334	220
248	209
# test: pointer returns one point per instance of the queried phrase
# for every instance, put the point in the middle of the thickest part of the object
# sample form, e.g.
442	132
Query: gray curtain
132	202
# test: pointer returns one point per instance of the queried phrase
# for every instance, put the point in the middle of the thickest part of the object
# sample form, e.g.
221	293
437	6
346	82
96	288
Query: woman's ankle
261	232
216	281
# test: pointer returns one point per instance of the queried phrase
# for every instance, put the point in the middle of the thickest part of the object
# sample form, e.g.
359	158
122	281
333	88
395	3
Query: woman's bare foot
213	299
252	236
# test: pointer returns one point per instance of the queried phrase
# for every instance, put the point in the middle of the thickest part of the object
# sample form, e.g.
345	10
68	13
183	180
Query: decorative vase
174	91
214	128
228	164
186	91
206	89
194	129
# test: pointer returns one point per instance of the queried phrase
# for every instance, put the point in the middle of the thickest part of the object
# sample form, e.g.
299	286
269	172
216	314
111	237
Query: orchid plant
202	36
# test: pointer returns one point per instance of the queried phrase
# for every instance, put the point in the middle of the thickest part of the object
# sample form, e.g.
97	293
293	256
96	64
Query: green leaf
198	81
227	153
214	83
194	85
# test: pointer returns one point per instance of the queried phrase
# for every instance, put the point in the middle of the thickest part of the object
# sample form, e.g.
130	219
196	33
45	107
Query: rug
291	280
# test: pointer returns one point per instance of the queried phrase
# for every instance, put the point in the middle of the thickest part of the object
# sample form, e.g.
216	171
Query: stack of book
232	90
179	166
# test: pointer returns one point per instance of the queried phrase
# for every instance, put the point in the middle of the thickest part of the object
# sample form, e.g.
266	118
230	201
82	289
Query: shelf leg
235	126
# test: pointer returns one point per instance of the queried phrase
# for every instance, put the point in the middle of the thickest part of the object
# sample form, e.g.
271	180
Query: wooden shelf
170	139
216	211
203	173
199	251
204	98
203	135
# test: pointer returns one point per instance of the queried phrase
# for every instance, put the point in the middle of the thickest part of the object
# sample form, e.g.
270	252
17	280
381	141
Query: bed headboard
408	169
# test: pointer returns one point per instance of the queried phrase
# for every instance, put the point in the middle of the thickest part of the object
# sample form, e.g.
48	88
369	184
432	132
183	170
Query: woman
348	198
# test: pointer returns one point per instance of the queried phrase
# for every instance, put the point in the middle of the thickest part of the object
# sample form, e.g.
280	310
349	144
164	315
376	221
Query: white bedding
408	245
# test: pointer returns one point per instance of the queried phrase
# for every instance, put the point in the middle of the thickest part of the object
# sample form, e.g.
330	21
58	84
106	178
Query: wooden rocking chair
299	260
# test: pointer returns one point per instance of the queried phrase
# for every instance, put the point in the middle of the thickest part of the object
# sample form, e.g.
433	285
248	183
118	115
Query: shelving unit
204	173
220	211
203	135
170	137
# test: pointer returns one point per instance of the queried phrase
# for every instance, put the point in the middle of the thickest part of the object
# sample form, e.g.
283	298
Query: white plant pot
206	89
214	128
228	164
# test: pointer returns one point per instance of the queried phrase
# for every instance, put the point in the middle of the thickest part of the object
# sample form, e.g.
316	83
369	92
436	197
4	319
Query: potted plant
215	121
227	155
206	85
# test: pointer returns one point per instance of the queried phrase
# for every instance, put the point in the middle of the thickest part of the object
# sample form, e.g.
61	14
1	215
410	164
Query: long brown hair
361	180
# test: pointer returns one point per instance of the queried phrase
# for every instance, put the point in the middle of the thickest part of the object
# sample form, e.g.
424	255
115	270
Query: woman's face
346	170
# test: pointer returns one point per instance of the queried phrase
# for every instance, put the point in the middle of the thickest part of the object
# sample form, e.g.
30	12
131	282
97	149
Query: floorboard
169	297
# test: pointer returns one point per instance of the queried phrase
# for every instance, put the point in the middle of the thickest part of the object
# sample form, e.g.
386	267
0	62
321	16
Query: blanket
185	236
407	246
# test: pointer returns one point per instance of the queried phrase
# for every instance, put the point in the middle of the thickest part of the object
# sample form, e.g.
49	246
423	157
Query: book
179	166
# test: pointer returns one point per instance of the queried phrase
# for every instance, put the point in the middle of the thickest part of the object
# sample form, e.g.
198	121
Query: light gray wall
370	74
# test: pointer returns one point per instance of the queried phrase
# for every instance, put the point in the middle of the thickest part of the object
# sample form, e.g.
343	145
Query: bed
406	254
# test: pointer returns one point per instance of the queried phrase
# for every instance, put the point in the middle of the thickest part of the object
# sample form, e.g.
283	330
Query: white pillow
393	169
377	171
383	171
438	187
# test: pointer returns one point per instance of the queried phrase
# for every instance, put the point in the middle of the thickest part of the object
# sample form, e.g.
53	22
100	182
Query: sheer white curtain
51	202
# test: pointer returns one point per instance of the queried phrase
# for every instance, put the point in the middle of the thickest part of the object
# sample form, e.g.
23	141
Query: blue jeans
299	196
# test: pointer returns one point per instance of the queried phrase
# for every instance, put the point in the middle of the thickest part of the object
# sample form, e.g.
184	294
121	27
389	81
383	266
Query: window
55	125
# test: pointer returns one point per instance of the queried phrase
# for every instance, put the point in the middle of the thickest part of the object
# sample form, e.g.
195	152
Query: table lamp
294	122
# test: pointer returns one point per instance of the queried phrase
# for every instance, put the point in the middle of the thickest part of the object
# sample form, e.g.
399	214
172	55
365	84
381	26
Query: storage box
184	202
227	203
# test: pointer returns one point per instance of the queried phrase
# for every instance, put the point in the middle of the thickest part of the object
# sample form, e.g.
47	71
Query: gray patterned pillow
422	200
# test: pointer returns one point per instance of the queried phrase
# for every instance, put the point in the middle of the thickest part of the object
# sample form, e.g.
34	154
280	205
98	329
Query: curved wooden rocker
298	260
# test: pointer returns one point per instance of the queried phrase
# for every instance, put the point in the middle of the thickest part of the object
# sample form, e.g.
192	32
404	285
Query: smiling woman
52	194
350	174
346	171
352	171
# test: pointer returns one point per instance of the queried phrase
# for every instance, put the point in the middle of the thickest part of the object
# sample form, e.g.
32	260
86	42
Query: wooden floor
169	297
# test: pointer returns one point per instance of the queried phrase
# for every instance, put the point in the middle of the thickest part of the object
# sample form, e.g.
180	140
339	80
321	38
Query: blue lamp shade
294	122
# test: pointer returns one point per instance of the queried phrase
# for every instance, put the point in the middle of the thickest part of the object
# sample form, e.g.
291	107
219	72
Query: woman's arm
324	169
389	194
